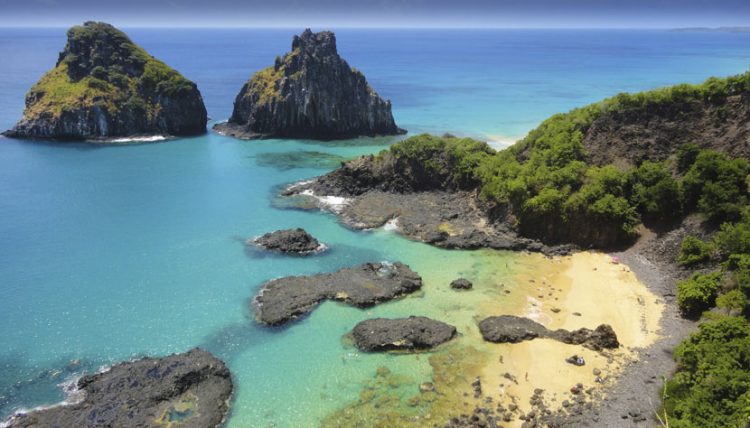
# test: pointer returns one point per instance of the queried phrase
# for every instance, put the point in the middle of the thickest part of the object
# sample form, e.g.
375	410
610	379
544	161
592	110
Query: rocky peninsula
513	329
284	299
191	388
106	87
310	92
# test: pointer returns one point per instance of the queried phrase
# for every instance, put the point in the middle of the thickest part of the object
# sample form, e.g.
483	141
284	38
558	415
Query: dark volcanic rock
289	241
282	299
461	284
104	86
381	334
655	130
512	329
310	92
603	337
193	387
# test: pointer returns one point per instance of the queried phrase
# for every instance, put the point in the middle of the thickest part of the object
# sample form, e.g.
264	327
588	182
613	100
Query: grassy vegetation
103	66
265	84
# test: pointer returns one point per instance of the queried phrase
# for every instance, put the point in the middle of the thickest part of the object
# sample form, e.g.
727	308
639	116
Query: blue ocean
109	253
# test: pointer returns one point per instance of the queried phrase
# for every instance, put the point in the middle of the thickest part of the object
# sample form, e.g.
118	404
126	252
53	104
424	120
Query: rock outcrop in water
104	87
294	241
281	300
413	333
189	390
310	92
512	329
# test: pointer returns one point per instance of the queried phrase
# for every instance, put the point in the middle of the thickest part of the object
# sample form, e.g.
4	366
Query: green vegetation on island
104	85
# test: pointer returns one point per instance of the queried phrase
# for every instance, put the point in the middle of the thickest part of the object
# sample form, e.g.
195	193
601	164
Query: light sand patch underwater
582	290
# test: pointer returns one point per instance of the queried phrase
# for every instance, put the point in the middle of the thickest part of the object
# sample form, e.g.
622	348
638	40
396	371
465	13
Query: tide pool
114	252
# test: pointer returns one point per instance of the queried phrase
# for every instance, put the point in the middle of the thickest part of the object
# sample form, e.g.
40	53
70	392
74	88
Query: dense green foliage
712	386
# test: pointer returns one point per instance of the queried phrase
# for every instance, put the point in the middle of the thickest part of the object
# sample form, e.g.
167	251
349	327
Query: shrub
733	301
717	185
694	250
654	192
696	294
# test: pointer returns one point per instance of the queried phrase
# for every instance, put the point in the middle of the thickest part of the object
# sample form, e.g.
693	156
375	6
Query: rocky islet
105	87
310	92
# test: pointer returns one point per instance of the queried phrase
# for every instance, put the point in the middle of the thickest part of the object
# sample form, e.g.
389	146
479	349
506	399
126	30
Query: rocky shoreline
192	389
450	220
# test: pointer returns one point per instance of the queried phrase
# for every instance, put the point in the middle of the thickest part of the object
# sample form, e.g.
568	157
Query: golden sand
602	292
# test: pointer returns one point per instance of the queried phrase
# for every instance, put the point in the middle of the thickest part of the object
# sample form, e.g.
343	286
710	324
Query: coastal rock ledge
193	388
284	299
106	87
512	329
310	92
413	333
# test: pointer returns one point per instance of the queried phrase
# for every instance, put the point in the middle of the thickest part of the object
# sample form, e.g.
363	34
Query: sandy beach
582	290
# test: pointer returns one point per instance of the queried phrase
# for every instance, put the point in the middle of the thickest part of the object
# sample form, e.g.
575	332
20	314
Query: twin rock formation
105	87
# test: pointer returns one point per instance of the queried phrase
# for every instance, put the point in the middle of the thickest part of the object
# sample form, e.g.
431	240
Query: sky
381	13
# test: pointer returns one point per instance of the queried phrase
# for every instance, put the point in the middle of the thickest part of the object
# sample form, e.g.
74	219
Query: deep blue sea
113	252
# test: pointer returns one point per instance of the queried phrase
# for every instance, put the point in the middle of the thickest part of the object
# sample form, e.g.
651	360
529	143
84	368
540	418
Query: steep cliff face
310	92
654	131
628	129
104	86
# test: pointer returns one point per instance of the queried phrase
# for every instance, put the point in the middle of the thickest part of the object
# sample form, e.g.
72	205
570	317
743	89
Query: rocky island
405	334
106	87
310	92
290	241
281	300
191	388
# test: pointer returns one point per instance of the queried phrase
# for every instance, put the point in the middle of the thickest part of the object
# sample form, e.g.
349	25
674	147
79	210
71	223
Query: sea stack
310	92
105	87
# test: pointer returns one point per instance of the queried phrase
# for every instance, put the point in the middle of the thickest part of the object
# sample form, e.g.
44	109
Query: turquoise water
107	253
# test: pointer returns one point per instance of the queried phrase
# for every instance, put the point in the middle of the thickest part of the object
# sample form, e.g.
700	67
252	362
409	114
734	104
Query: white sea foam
73	395
391	225
140	139
332	203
